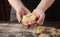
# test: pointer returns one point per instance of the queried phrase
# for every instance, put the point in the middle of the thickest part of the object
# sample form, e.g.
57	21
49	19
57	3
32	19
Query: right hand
21	12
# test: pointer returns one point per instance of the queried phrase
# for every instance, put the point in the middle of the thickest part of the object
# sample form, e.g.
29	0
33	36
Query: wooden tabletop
12	29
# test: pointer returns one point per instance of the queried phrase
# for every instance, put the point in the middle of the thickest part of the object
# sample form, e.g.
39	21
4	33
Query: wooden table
8	29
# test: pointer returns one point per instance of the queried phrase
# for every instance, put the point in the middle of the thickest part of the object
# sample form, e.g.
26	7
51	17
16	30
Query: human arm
45	4
39	11
19	8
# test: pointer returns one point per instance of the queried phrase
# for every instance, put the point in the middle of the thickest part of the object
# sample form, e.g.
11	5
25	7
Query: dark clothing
50	13
31	4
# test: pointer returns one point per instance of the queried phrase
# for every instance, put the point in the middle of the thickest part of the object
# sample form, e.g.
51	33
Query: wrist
19	9
40	9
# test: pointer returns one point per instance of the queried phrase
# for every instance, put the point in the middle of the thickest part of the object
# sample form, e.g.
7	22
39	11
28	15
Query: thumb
40	20
18	15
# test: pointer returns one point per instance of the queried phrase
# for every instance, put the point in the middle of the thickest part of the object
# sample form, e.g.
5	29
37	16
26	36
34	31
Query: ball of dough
55	31
59	31
41	29
29	17
43	35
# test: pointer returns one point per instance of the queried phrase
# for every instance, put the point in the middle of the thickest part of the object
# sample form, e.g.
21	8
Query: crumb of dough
41	29
43	35
55	31
29	17
59	31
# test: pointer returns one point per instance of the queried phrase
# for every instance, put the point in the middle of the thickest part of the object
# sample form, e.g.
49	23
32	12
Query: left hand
40	14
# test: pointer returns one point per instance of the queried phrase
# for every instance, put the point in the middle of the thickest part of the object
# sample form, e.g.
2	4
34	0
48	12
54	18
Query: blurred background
4	10
52	14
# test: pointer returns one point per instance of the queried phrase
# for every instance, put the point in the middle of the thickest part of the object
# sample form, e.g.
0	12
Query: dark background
52	14
4	10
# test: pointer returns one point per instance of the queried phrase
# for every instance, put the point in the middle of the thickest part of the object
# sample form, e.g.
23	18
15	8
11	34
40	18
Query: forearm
16	4
45	4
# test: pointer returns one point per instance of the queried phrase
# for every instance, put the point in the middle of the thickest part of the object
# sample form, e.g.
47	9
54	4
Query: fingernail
26	26
34	25
29	23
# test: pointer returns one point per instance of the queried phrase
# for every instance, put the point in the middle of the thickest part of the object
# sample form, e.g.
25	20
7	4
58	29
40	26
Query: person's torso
30	4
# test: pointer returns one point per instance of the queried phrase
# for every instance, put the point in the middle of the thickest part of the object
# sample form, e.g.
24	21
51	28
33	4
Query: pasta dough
41	29
29	17
55	31
43	35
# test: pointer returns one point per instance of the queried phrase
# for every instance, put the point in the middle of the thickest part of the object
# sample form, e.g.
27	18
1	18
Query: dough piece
59	31
41	29
29	17
43	35
55	31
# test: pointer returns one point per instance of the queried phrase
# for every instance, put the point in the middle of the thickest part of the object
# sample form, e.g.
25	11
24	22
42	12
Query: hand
20	13
40	14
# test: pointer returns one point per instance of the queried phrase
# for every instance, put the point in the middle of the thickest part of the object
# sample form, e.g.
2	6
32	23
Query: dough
55	31
41	29
43	35
29	17
59	31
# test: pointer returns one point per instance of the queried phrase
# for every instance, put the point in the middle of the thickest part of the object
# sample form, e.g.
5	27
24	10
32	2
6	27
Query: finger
26	26
33	25
18	17
36	13
31	22
41	20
